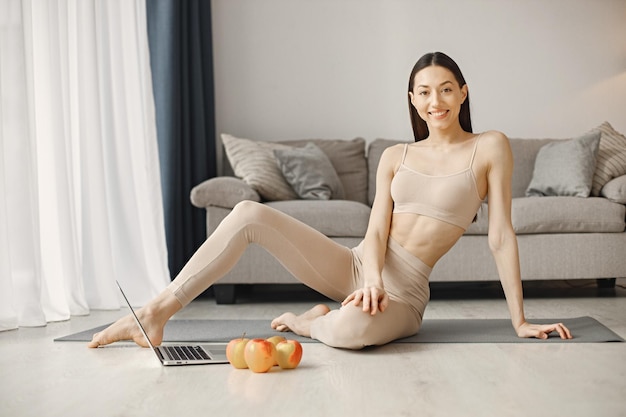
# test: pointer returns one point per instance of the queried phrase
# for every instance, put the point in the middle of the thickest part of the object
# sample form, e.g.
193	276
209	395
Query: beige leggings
320	263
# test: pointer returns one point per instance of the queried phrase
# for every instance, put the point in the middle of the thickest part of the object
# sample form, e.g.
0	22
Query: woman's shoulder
392	156
394	151
494	137
494	149
494	142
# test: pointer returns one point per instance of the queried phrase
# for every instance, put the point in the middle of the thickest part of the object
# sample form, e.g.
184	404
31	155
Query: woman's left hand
542	331
373	298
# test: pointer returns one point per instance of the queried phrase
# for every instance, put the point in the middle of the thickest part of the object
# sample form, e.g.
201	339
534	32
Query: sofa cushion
615	190
348	158
565	168
531	215
611	162
333	217
309	172
567	215
254	162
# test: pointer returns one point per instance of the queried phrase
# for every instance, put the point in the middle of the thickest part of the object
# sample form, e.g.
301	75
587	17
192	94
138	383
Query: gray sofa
559	237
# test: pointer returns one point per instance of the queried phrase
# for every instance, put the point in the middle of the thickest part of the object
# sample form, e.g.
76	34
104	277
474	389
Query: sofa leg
605	283
225	293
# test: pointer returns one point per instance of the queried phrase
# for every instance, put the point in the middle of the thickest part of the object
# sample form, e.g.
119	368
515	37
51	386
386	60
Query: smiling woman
437	61
426	196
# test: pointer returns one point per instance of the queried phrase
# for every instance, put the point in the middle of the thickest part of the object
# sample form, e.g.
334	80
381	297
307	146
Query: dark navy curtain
181	59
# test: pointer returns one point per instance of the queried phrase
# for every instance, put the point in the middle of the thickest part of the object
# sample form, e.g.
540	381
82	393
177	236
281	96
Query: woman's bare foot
126	329
153	318
300	325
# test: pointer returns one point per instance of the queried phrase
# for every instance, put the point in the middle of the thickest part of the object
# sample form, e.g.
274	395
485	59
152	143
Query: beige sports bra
450	198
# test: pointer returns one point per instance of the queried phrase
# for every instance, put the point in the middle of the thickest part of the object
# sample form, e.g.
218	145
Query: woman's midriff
426	238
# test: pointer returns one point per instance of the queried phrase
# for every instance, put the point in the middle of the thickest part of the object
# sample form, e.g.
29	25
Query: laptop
169	355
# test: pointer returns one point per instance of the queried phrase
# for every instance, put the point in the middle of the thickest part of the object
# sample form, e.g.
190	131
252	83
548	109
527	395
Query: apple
288	354
235	352
275	340
259	355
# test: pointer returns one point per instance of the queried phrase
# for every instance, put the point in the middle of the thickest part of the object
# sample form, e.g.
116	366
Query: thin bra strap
406	146
474	151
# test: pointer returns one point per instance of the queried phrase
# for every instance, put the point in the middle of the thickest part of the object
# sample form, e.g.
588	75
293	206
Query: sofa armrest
615	190
222	192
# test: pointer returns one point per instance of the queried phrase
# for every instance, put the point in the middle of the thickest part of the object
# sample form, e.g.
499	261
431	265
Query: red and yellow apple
259	355
275	340
288	354
235	352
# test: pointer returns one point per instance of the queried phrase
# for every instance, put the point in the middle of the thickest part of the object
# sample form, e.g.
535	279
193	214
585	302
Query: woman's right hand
374	299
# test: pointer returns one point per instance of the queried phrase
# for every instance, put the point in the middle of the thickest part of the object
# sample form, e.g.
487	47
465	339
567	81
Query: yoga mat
584	330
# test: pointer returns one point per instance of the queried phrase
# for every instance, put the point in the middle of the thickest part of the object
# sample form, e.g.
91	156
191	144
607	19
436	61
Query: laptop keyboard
185	353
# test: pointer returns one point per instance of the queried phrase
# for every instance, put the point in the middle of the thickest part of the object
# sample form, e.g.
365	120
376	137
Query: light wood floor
39	377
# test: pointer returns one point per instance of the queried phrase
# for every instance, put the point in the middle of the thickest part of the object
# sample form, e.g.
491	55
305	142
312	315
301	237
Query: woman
427	194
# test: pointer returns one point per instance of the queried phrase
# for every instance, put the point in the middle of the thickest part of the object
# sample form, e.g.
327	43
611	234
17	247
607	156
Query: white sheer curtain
80	194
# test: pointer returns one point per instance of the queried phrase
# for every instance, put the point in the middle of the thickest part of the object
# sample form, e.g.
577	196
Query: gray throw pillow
254	162
309	172
565	168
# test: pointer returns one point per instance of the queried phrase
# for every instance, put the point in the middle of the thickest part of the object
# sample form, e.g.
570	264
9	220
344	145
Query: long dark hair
420	128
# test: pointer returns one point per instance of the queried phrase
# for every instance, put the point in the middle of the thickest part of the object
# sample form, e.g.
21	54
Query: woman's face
437	97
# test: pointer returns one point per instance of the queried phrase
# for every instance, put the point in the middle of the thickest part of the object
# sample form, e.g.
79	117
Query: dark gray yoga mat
584	330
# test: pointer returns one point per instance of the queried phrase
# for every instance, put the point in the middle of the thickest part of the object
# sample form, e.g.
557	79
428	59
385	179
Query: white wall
287	69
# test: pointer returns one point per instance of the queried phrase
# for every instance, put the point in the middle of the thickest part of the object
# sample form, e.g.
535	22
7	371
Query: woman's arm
502	239
373	295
